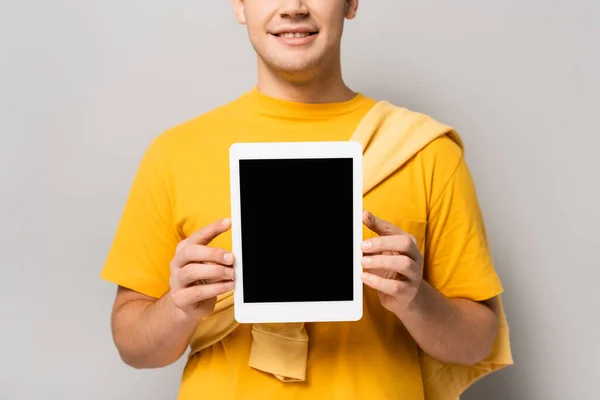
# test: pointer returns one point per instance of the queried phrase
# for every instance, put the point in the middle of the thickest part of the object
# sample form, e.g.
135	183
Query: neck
325	86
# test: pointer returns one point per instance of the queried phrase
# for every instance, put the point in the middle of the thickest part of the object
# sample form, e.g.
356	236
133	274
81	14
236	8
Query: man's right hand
200	273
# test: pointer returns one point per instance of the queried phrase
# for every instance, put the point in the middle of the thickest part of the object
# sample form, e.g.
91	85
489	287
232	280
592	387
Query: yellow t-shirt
182	184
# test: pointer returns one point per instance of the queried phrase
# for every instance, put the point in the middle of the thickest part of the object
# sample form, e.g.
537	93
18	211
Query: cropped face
294	36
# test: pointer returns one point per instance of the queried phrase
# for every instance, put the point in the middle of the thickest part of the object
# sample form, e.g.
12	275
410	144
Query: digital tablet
296	231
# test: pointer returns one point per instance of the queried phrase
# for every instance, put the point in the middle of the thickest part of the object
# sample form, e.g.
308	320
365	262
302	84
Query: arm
443	296
171	283
151	333
457	300
454	330
457	331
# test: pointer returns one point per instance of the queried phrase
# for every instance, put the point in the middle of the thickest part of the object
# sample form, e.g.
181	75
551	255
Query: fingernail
367	245
225	221
367	260
229	272
228	257
229	285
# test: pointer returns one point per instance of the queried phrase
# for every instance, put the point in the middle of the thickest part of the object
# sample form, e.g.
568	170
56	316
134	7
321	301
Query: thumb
207	234
380	226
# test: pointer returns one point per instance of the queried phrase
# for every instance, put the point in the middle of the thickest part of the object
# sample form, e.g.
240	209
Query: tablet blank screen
296	226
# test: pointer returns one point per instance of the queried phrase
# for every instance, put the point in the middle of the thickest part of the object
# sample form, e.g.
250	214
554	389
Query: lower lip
296	41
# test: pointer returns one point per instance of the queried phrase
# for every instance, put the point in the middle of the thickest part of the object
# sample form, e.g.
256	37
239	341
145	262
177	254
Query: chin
298	65
295	67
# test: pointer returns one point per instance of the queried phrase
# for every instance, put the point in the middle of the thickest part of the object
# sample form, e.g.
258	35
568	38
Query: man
430	281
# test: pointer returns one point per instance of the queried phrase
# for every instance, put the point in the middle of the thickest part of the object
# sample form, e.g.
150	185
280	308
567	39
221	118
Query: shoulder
195	144
438	146
442	155
438	143
198	127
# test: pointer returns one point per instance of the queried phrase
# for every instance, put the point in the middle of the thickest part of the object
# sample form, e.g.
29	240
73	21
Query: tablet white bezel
298	311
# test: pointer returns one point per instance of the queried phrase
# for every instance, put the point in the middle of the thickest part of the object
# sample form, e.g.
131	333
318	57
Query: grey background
84	87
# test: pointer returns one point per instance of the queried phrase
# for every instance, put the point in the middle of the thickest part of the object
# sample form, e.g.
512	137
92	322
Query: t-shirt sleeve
146	237
458	261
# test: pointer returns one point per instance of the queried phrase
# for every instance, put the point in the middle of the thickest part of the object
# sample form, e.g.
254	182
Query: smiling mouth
292	35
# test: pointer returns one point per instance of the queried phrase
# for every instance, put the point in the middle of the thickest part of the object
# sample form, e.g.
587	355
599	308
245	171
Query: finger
208	233
403	265
196	293
380	226
202	254
194	272
390	287
402	244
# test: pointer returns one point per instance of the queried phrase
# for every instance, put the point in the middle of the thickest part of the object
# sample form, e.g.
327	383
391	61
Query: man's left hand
393	264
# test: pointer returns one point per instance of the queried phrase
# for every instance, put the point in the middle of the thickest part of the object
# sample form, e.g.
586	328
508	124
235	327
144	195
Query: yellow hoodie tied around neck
390	136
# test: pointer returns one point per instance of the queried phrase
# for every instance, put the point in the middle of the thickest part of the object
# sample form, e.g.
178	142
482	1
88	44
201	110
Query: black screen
297	229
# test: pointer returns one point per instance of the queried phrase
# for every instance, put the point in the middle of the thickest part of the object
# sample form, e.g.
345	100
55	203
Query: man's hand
200	273
393	264
452	330
151	333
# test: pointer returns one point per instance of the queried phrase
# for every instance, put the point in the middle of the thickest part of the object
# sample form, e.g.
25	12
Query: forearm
151	334
452	330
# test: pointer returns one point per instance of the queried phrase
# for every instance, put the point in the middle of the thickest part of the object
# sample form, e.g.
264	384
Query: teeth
294	35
